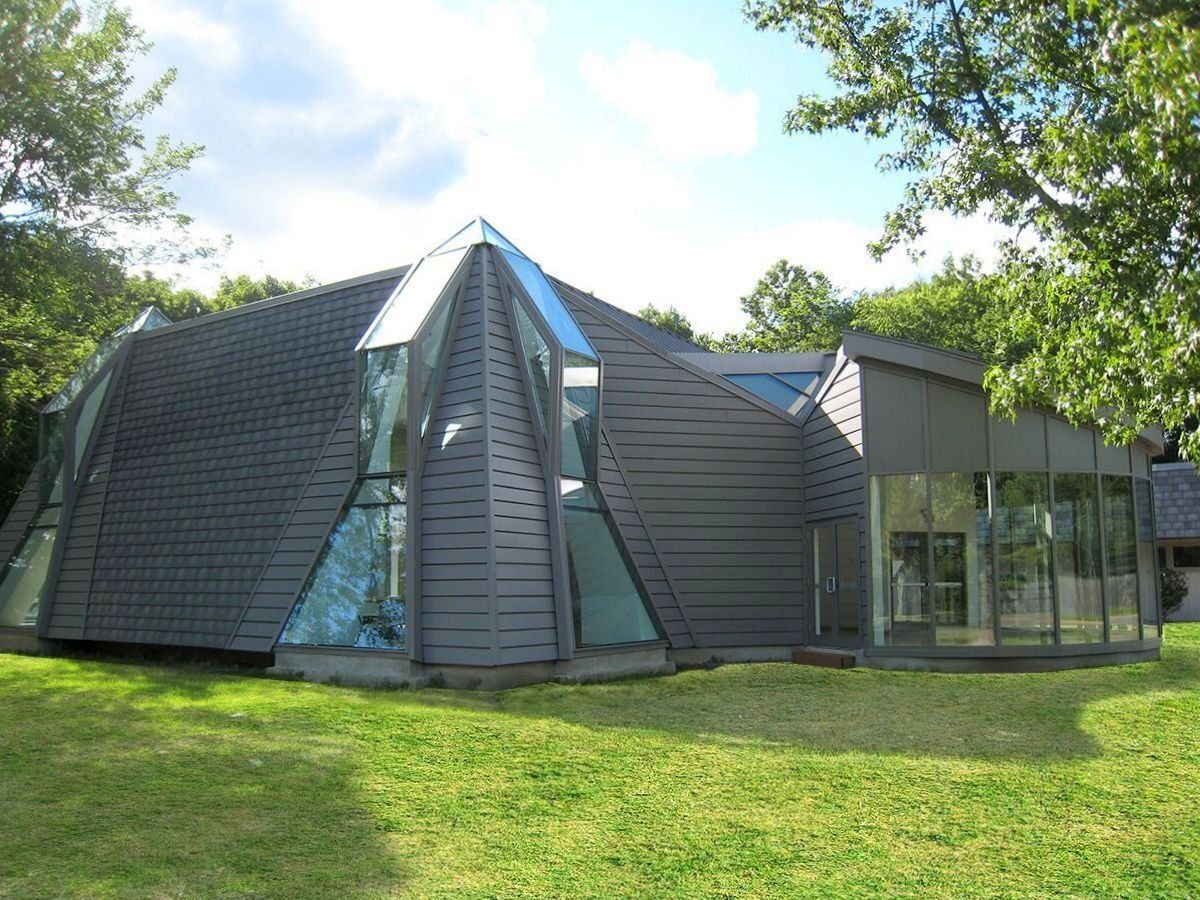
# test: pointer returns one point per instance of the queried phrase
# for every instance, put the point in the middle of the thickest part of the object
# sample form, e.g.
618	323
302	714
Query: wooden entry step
829	659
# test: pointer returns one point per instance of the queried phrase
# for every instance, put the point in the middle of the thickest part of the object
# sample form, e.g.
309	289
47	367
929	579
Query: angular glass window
53	442
403	313
801	381
1120	549
479	231
1025	592
537	361
1077	558
607	600
383	412
900	561
549	304
432	355
24	578
86	420
357	594
962	559
770	388
580	416
1143	495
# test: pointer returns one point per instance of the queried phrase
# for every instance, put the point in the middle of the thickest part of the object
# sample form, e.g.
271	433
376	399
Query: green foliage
707	783
1075	123
673	321
1173	589
72	151
792	309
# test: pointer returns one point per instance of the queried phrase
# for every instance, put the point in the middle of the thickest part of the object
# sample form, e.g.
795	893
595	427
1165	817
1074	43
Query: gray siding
719	482
301	540
220	427
641	547
19	517
834	471
68	606
456	607
525	614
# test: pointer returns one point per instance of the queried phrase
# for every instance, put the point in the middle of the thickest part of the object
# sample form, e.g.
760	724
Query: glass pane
549	304
824	584
606	599
900	560
23	579
87	419
580	416
1077	558
768	387
53	448
432	357
356	595
1025	590
406	309
537	362
93	364
469	234
962	559
383	411
492	236
801	381
1120	548
1147	575
847	580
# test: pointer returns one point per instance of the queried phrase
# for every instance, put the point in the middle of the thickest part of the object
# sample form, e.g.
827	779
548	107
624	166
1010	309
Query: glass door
834	611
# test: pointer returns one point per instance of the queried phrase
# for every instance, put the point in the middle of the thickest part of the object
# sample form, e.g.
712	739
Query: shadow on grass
1020	717
138	779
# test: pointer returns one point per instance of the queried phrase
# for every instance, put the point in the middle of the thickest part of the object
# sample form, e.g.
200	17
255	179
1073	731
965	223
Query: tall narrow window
580	416
1077	558
537	362
962	559
1120	550
1147	575
1025	589
383	411
23	579
900	560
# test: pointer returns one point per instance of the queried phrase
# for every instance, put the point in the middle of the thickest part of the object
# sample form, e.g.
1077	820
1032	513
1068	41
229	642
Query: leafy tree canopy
1073	121
792	309
673	321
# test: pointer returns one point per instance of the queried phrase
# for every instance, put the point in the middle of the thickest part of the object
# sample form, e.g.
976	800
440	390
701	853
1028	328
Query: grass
755	780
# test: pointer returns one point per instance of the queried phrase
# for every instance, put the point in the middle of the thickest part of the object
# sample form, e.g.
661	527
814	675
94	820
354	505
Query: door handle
830	585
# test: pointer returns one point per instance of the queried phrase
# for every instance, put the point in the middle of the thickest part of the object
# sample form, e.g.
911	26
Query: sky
633	149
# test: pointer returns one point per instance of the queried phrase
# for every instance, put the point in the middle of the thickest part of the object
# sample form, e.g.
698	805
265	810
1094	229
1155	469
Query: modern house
468	471
1177	499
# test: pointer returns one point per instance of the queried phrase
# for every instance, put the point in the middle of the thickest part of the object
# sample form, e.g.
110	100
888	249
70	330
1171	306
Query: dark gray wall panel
1020	444
895	419
642	549
525	615
1071	449
221	425
958	430
665	422
458	612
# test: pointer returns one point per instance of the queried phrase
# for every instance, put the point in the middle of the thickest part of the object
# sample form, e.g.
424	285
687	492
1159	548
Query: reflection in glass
1026	593
607	600
432	355
537	361
24	578
900	560
1120	547
383	411
549	304
86	420
356	595
962	559
402	315
1147	575
1077	558
580	416
53	448
770	388
801	381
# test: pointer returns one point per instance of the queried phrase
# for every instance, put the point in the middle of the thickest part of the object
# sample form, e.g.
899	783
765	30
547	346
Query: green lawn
751	780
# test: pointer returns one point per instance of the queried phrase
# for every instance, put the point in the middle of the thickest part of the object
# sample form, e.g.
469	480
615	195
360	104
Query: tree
1072	121
674	322
958	309
792	309
72	151
1174	588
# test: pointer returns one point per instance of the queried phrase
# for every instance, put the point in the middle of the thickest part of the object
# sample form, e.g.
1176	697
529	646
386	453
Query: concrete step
829	659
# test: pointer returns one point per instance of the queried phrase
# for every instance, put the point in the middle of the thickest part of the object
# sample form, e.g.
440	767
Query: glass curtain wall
1120	553
1025	595
1147	572
1077	558
962	559
900	561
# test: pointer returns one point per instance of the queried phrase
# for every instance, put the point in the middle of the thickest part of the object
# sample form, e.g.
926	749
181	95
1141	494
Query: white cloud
677	99
215	41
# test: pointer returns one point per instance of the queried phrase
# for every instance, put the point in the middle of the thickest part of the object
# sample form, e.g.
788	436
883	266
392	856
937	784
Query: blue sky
634	149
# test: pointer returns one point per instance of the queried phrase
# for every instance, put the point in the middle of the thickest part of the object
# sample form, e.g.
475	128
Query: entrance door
834	613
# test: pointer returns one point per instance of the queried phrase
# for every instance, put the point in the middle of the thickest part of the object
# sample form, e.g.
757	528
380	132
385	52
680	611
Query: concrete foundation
384	668
1010	663
24	640
697	657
